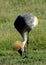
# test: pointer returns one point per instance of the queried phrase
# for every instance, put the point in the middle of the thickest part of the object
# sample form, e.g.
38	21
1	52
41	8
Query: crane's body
25	23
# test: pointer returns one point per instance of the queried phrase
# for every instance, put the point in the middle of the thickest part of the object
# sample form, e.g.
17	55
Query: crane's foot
26	56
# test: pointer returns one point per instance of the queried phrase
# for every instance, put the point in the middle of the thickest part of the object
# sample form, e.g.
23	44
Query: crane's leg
25	40
26	56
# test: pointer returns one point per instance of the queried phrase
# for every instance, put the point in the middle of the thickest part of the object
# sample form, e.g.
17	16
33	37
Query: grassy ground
9	10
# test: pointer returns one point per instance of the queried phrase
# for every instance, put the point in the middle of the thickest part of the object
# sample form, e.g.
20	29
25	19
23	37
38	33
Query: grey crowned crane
24	23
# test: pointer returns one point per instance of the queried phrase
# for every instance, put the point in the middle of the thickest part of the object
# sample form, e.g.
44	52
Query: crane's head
18	46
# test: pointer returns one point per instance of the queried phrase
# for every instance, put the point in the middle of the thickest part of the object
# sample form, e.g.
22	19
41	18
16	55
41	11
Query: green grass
9	10
37	57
